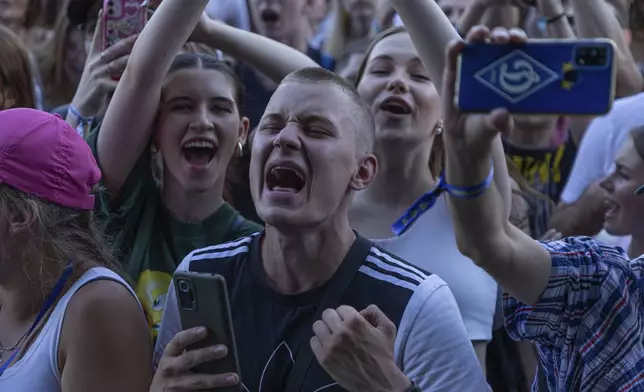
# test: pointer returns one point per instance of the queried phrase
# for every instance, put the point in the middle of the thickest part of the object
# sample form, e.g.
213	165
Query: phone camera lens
184	287
593	56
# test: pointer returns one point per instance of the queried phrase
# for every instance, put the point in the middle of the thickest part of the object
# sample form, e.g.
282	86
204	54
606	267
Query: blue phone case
575	77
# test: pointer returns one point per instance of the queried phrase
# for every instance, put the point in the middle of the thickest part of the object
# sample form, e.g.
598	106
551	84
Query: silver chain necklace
11	348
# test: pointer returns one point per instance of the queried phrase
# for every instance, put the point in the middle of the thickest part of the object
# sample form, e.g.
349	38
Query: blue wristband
82	122
469	192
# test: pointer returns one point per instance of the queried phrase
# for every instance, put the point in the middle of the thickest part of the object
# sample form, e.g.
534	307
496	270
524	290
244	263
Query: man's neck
360	28
297	40
191	207
637	46
532	137
302	260
401	178
636	247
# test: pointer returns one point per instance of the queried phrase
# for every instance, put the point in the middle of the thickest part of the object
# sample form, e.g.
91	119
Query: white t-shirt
600	145
431	245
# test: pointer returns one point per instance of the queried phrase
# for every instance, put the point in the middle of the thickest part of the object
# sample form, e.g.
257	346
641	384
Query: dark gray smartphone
203	302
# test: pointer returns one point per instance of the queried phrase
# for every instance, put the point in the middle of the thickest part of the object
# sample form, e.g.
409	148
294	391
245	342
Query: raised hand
357	349
101	69
174	372
465	132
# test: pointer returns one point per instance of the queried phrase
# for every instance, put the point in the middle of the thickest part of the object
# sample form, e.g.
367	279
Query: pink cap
40	154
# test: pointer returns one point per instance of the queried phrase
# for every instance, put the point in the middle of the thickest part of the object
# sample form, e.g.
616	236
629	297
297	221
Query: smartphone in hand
540	77
122	19
203	302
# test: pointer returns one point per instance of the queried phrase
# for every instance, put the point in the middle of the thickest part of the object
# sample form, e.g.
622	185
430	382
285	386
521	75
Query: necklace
11	348
49	302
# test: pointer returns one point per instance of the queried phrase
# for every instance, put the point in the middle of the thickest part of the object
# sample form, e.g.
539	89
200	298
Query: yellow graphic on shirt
541	171
152	289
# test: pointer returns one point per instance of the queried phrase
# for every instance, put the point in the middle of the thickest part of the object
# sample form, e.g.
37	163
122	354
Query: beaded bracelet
469	192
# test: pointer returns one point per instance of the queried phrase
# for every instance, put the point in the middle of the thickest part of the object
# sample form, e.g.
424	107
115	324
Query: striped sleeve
583	273
587	322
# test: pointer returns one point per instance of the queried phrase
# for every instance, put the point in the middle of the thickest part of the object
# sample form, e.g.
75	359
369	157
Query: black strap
331	299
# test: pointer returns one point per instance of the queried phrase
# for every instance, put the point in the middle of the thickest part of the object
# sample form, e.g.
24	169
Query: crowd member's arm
97	82
596	19
431	32
105	341
127	127
275	59
522	266
581	210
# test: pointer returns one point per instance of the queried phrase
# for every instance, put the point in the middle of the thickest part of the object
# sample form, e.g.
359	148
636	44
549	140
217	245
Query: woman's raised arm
273	58
127	126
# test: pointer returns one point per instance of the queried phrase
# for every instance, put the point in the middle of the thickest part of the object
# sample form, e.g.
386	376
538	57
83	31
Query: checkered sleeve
587	317
581	269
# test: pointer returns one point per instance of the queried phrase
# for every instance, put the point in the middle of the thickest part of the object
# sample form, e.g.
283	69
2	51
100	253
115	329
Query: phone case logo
516	76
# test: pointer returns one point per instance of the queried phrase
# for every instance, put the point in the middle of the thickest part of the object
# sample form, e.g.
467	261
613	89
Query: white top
37	370
430	244
431	345
600	145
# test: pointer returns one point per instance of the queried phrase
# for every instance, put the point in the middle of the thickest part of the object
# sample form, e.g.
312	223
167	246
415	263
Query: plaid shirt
589	323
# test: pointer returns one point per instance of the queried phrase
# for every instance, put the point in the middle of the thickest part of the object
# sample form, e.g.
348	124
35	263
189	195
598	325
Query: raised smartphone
203	302
541	77
123	19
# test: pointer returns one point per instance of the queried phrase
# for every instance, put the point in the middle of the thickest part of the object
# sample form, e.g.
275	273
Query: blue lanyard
43	311
420	206
427	201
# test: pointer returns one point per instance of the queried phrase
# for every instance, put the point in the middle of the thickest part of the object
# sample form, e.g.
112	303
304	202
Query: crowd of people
372	236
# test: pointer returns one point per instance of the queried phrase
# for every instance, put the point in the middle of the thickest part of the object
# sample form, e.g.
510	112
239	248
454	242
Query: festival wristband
471	191
81	121
420	206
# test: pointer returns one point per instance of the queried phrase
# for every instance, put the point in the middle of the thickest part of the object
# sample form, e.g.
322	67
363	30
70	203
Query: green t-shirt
149	241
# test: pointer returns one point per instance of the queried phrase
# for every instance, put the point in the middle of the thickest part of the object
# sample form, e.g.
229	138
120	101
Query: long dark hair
16	74
234	174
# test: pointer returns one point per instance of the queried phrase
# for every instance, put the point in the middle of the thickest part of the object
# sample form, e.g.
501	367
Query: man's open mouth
285	179
199	152
270	16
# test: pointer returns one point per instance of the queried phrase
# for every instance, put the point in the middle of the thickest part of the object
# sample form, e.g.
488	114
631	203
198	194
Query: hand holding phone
177	362
204	355
542	77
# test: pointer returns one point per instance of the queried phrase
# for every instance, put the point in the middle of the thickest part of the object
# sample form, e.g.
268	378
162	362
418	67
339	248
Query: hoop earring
439	127
240	149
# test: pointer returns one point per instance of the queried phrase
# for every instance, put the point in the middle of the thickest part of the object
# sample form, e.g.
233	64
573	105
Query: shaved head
364	122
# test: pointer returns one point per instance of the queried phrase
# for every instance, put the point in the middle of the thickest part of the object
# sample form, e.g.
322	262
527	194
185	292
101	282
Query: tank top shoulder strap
53	329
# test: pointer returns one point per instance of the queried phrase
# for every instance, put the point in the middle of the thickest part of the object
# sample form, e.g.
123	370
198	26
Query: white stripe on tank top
37	370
